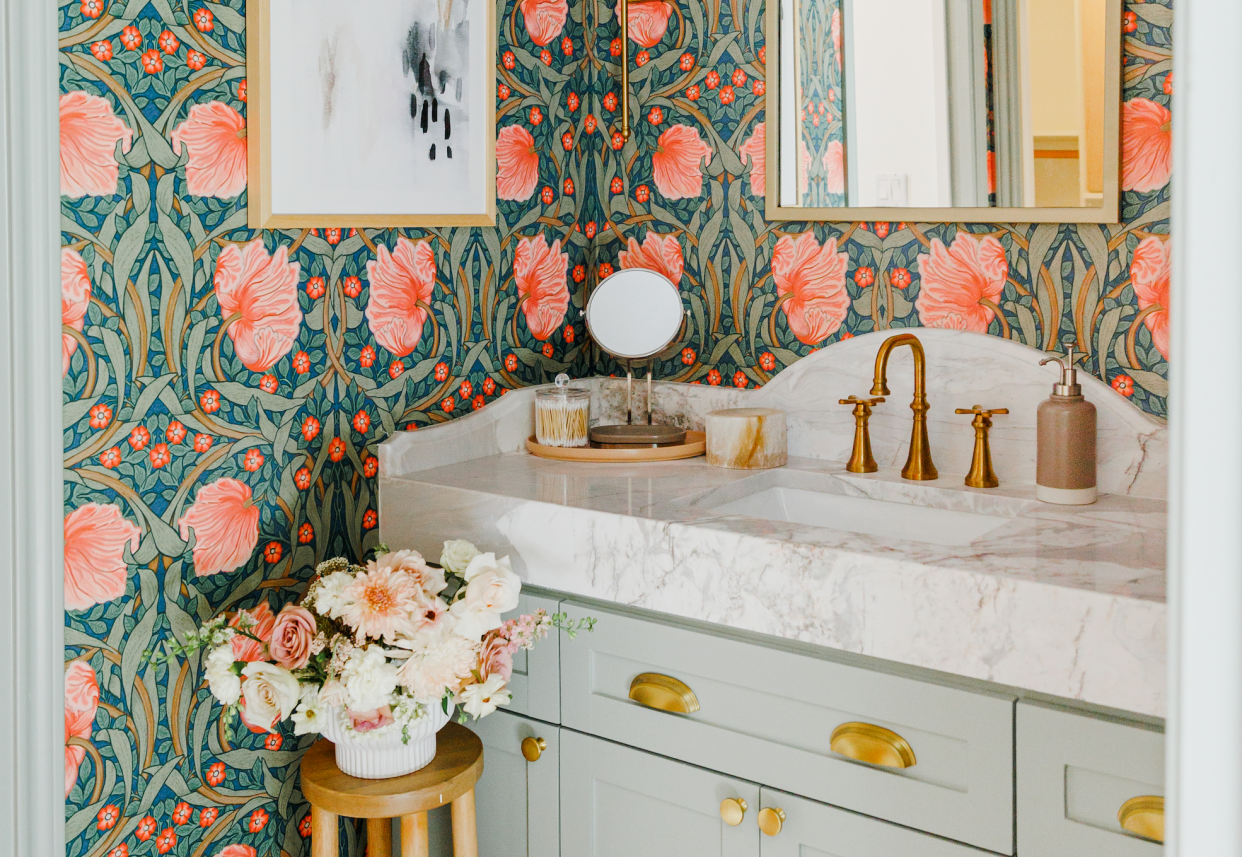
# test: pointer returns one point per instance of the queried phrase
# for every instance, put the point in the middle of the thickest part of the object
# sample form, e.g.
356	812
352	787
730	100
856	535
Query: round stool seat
454	771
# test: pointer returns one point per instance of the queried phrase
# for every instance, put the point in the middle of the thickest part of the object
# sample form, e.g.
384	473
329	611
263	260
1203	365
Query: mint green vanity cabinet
621	802
767	714
1075	773
535	684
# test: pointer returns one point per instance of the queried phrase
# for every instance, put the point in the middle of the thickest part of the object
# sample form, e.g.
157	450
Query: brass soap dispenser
1065	446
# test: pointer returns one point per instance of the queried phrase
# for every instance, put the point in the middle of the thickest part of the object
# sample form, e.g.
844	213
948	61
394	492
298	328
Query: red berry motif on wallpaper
92	8
204	20
182	813
642	193
758	87
131	38
1124	385
145	829
315	287
268	384
900	278
712	80
571	101
166	841
102	50
739	78
688	356
207	817
168	42
536	116
692	92
569	335
642	59
448	405
366	357
614	47
713	377
567	46
568	187
110	458
590	123
610	101
466	390
215	774
121	850
332	236
502	92
272	552
370	466
687	62
509	60
362	422
253	460
864	277
567	141
726	94
590	229
655	116
545	56
478	403
258	818
202	442
370	520
395	369
605	271
273	741
579	273
159	455
101	415
352	287
881	229
767	360
511	362
441	371
195	60
618	141
304	826
310	428
547	350
302	479
306	534
547	195
139	438
739	379
107	817
152	62
175	433
616	185
489	386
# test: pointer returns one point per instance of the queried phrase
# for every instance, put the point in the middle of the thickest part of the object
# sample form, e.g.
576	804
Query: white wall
900	99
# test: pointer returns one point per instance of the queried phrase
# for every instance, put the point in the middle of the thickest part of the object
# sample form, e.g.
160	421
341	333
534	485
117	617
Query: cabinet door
813	829
621	802
517	812
536	681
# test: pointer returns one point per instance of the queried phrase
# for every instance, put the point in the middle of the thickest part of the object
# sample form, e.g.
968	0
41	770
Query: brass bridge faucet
919	462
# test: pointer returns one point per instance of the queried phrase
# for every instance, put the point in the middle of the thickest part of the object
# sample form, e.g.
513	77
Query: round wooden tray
696	444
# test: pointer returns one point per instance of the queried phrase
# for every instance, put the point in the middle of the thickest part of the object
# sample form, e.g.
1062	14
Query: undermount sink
868	507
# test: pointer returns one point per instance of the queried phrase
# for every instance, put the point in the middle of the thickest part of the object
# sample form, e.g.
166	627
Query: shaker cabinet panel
924	755
811	829
536	681
518	813
621	802
1078	776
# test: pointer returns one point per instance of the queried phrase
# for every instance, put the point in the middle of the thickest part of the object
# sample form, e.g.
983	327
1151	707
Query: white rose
271	692
328	594
369	679
491	589
333	693
310	716
457	555
480	700
224	683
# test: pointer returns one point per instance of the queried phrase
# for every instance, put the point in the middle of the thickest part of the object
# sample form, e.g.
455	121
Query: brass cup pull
873	744
771	820
663	693
732	811
1143	816
532	748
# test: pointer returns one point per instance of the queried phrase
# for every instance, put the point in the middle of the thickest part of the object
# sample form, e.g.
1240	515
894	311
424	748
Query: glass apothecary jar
563	414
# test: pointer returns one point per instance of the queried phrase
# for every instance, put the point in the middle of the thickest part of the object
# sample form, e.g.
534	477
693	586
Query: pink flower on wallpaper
544	19
755	149
835	26
81	703
259	293
246	649
675	162
1146	145
647	21
517	164
401	287
1149	274
75	297
89	132
237	850
661	253
540	272
225	524
95	569
834	166
954	281
215	136
810	280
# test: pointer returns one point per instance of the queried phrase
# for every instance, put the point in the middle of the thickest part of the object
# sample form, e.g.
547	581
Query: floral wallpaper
225	390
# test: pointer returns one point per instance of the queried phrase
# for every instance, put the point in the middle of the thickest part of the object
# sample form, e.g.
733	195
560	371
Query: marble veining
1068	601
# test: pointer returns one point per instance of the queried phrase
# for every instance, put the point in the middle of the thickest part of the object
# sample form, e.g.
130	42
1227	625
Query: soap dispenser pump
1065	445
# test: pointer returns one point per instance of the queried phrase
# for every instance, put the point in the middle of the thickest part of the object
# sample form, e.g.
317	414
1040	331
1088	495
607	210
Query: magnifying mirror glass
634	314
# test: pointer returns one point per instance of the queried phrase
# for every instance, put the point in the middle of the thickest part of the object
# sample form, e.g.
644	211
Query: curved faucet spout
919	464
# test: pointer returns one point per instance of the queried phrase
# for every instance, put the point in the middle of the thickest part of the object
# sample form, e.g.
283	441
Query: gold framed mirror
981	111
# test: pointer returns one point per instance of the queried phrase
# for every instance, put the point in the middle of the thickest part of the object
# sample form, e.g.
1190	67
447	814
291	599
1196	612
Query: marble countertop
1068	601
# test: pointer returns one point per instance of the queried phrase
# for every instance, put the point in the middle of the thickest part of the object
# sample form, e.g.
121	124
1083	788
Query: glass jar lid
562	392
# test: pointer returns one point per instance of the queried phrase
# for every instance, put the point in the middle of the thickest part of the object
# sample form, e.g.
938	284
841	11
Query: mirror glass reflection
943	103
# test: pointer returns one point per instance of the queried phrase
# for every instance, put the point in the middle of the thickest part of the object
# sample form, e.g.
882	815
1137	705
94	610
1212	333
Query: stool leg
414	835
325	833
379	837
465	836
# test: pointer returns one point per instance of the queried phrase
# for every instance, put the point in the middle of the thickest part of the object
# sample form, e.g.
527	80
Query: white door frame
1205	420
32	797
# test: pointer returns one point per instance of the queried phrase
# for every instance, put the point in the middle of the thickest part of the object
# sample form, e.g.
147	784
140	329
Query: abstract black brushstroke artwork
380	107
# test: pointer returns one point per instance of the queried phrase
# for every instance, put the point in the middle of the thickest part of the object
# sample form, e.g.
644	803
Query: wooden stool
450	778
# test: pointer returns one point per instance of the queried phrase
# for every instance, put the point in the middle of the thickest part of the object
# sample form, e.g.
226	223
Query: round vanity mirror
634	313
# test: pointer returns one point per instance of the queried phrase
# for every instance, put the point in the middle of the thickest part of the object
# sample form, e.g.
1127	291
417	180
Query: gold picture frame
259	155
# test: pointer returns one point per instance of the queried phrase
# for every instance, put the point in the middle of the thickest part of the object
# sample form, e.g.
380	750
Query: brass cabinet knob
771	820
663	693
532	748
873	744
1143	816
732	811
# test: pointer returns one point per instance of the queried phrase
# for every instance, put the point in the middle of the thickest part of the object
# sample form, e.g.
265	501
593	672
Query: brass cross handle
861	460
981	474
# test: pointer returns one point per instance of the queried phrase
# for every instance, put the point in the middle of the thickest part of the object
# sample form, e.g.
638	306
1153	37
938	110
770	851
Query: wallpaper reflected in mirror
943	103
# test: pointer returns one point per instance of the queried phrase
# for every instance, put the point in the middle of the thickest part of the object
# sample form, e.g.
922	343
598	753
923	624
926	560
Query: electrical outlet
890	190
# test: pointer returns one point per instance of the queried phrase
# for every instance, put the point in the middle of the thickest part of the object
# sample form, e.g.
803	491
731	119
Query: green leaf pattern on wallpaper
225	390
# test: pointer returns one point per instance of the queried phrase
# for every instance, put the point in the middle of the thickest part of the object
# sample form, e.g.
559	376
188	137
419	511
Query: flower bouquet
376	657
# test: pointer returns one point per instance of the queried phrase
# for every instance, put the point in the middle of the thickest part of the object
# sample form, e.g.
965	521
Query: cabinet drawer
620	802
535	684
811	829
1074	774
768	715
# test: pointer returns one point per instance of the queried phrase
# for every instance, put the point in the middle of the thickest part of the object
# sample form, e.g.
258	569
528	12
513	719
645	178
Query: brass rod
623	9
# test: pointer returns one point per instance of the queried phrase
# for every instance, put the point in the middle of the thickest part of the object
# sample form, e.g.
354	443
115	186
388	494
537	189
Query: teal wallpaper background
225	390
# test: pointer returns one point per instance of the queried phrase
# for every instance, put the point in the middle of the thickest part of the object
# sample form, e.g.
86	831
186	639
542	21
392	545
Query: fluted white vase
381	754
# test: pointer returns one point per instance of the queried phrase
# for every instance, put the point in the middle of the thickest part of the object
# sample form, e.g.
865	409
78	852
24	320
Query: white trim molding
31	604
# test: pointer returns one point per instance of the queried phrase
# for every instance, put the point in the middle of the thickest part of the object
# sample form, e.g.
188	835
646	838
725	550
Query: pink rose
246	649
365	721
292	633
496	657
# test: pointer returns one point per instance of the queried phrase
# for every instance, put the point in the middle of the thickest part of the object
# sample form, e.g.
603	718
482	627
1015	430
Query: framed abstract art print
376	113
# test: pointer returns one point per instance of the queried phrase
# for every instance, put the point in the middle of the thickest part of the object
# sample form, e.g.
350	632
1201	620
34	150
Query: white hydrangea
329	600
225	684
369	679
